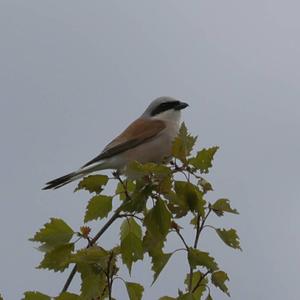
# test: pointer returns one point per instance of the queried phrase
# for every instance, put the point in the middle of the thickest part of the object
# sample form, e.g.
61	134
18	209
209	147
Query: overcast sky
74	73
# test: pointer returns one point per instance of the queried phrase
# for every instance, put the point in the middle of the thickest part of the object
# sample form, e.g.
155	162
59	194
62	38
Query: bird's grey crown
155	103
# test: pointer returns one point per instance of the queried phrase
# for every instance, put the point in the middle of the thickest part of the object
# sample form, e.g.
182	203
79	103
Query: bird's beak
181	105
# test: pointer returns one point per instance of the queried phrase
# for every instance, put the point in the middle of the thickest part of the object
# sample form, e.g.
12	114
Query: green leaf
206	186
218	279
136	170
91	255
198	281
209	297
158	219
35	296
203	159
190	196
221	206
57	259
68	296
131	242
158	263
92	183
167	298
54	233
183	144
98	207
129	186
135	290
153	243
199	258
187	296
229	237
93	282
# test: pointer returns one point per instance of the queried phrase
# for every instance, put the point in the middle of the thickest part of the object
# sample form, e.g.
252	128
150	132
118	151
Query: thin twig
131	215
199	281
109	277
182	239
91	243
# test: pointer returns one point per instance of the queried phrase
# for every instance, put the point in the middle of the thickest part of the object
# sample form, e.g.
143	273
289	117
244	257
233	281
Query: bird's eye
164	107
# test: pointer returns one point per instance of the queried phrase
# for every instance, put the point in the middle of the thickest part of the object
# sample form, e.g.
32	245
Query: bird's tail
61	181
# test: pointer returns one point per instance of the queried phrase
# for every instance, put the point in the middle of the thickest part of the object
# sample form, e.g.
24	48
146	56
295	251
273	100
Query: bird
147	139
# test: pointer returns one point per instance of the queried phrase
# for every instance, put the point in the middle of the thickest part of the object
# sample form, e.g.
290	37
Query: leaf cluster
152	202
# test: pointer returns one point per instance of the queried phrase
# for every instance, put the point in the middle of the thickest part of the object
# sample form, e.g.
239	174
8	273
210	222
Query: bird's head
165	108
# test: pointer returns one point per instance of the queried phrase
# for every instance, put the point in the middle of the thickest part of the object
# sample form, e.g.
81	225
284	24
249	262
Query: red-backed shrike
148	139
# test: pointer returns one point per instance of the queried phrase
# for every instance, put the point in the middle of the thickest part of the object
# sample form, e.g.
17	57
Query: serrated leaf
203	159
183	144
93	282
229	237
54	233
91	255
158	263
135	290
57	259
158	219
68	296
99	207
190	196
206	186
35	296
92	183
199	258
221	206
131	242
199	283
218	279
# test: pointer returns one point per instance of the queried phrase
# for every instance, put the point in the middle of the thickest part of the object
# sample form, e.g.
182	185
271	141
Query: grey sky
74	73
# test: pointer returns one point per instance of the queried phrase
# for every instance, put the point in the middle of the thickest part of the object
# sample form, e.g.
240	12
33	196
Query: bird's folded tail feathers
61	181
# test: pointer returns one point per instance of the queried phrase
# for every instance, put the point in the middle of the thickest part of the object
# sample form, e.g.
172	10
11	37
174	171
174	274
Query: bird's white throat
169	115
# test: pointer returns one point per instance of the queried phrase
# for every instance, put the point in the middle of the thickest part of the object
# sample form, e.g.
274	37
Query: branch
91	243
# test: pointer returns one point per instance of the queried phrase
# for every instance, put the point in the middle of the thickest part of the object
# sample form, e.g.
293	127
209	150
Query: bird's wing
135	134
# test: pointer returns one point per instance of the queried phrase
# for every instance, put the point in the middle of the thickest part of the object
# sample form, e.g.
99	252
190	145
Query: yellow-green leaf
203	159
135	290
229	237
158	219
209	297
35	296
131	242
128	185
187	296
199	258
183	144
57	259
91	255
158	263
98	207
190	196
199	283
221	206
93	282
54	233
218	279
68	296
167	298
92	183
